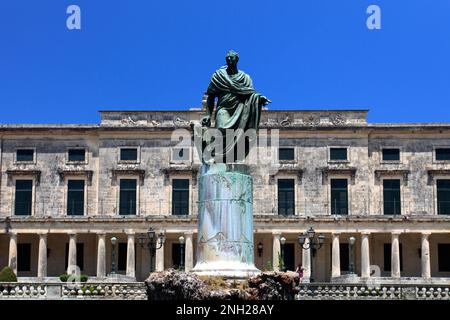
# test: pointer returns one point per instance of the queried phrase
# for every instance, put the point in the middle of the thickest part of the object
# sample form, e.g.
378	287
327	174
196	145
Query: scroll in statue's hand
206	121
265	100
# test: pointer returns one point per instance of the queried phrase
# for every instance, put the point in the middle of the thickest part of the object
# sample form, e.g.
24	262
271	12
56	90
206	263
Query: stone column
12	260
159	258
335	257
426	268
101	255
131	268
276	251
188	252
42	258
365	255
72	256
306	261
395	255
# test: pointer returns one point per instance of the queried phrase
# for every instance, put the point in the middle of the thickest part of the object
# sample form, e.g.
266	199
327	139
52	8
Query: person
299	270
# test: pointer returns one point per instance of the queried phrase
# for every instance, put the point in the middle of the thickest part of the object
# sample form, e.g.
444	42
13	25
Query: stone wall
312	141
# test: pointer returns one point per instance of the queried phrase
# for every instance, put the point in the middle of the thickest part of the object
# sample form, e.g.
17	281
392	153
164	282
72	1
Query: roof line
270	110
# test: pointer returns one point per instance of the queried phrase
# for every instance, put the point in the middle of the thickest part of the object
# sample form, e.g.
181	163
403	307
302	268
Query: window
286	154
25	155
391	196
443	196
339	154
180	154
444	257
127	201
23	198
180	196
391	154
77	155
128	154
388	256
75	197
286	197
24	257
339	196
80	256
443	154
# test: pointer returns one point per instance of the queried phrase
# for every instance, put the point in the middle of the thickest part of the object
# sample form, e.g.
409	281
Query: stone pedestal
225	222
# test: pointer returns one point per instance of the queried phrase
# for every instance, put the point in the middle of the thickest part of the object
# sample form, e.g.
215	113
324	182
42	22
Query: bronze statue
238	104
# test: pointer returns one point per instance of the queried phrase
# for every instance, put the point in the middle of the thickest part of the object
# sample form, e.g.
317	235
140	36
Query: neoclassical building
67	190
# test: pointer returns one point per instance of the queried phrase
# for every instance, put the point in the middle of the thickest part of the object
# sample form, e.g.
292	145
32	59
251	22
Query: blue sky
147	54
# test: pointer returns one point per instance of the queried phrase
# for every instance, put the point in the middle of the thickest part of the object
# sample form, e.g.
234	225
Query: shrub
65	277
214	283
234	284
84	278
172	285
280	262
92	290
7	275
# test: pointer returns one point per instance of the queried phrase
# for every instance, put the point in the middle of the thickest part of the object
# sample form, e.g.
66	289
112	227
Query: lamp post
351	250
113	255
149	241
260	249
315	243
181	239
282	243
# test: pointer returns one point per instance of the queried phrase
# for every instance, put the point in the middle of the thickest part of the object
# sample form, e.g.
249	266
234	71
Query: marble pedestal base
225	222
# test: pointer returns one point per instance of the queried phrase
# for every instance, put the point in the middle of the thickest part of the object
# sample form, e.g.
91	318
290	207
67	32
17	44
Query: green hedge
7	275
64	277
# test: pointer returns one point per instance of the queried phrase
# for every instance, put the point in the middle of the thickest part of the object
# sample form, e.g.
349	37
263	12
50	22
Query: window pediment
392	172
288	169
128	171
332	170
25	172
75	172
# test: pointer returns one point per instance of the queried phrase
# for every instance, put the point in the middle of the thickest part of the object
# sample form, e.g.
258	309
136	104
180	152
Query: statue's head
232	58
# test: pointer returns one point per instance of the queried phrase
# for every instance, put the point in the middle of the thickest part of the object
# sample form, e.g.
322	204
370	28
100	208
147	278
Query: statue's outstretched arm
210	104
206	120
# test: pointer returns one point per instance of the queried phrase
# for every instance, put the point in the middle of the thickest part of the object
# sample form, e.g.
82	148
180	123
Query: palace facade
66	190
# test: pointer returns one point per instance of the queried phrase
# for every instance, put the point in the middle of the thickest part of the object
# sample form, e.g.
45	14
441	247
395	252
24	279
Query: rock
274	286
173	285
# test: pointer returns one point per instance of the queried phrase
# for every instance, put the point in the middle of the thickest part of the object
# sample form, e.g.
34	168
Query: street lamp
181	239
113	255
7	224
351	242
315	242
150	241
282	242
260	248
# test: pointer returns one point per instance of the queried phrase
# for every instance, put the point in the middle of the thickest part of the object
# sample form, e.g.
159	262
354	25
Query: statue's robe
238	106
